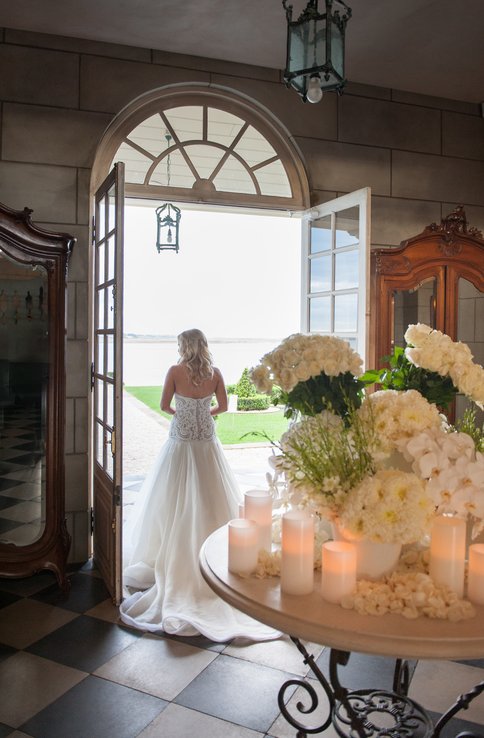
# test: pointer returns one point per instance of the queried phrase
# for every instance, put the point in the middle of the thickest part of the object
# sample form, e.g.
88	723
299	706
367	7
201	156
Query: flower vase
373	560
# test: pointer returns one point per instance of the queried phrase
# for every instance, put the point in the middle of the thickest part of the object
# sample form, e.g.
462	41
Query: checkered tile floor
21	468
68	669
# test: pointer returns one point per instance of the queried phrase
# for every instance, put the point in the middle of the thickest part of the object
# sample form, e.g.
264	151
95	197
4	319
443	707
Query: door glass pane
347	227
99	445
470	330
346	270
345	312
320	271
320	314
110	308
111	210
110	404
110	248
110	355
100	224
100	308
100	277
99	398
109	468
320	238
100	353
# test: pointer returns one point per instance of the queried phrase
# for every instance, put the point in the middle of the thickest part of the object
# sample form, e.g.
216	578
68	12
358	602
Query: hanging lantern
315	49
168	217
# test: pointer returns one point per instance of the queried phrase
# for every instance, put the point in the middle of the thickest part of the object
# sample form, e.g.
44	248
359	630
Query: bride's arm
168	392
220	394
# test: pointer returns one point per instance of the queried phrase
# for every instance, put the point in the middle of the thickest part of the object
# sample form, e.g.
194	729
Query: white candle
448	552
297	554
243	546
475	581
338	570
258	507
241	510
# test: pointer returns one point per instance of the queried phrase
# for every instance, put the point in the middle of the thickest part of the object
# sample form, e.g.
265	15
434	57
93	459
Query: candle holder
448	552
243	546
338	570
297	553
258	507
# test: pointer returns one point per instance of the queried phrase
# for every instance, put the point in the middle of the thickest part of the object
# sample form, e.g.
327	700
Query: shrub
245	387
255	402
231	389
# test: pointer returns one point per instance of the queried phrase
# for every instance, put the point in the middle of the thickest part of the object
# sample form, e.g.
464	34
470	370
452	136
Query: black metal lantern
168	218
315	49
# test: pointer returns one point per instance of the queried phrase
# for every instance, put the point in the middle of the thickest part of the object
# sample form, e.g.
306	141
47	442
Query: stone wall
420	155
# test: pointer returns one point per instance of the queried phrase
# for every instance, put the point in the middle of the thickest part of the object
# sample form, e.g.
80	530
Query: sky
235	276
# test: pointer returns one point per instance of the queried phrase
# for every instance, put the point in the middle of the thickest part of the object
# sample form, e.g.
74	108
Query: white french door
335	269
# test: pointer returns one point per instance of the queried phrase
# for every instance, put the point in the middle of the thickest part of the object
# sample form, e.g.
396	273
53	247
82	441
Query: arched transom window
208	153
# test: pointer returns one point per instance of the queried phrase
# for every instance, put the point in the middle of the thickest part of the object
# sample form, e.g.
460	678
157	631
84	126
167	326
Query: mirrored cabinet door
33	263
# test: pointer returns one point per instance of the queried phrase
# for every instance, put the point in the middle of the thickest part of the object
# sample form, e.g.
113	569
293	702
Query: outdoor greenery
231	427
247	396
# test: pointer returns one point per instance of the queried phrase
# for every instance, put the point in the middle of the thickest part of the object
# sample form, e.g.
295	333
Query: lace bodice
192	421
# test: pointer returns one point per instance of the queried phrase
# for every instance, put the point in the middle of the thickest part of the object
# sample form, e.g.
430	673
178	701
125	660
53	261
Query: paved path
145	431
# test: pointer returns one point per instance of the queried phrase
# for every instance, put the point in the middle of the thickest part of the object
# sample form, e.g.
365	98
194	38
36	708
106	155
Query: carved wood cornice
452	226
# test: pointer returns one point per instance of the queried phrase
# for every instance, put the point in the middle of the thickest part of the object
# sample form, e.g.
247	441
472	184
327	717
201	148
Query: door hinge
93	231
91	519
92	376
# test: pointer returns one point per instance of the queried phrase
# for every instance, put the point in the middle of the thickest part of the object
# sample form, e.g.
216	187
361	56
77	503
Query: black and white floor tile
69	669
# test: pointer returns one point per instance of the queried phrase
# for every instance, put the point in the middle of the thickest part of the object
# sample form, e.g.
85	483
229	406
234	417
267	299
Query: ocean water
146	363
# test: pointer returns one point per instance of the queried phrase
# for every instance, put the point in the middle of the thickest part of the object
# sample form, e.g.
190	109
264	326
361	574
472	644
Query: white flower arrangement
398	416
453	470
300	357
389	507
437	352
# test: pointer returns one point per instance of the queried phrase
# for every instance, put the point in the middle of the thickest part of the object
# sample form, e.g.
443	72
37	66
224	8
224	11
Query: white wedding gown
189	493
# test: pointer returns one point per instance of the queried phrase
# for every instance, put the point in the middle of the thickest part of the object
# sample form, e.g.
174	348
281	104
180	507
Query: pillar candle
241	510
338	570
297	553
448	552
258	507
475	580
243	546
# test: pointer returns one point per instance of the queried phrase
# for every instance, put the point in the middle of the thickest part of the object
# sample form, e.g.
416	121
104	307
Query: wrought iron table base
352	713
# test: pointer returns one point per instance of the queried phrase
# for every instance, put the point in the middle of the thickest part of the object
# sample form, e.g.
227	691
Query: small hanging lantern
168	218
315	49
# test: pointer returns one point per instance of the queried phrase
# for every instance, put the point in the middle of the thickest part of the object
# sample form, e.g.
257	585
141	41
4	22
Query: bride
189	493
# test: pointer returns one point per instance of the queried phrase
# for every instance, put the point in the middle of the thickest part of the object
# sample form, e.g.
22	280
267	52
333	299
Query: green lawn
231	427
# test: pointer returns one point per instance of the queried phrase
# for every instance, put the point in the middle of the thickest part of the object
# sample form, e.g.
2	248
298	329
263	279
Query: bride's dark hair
194	353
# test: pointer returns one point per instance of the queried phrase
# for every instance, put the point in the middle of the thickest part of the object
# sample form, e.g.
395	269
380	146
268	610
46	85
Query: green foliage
467	424
323	392
231	389
256	402
231	427
245	387
402	375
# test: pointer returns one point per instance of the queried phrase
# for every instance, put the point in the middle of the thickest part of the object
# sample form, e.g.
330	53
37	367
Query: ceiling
432	47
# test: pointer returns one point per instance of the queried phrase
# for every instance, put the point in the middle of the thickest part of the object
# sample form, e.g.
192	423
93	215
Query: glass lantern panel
320	314
337	55
346	313
320	274
346	270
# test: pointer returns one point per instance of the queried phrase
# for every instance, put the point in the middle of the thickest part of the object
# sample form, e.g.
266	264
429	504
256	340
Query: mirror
470	330
33	273
24	374
415	305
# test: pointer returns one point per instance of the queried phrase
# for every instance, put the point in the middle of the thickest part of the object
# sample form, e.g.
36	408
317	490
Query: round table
310	618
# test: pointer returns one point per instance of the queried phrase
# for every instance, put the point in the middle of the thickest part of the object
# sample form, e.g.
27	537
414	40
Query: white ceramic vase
373	560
